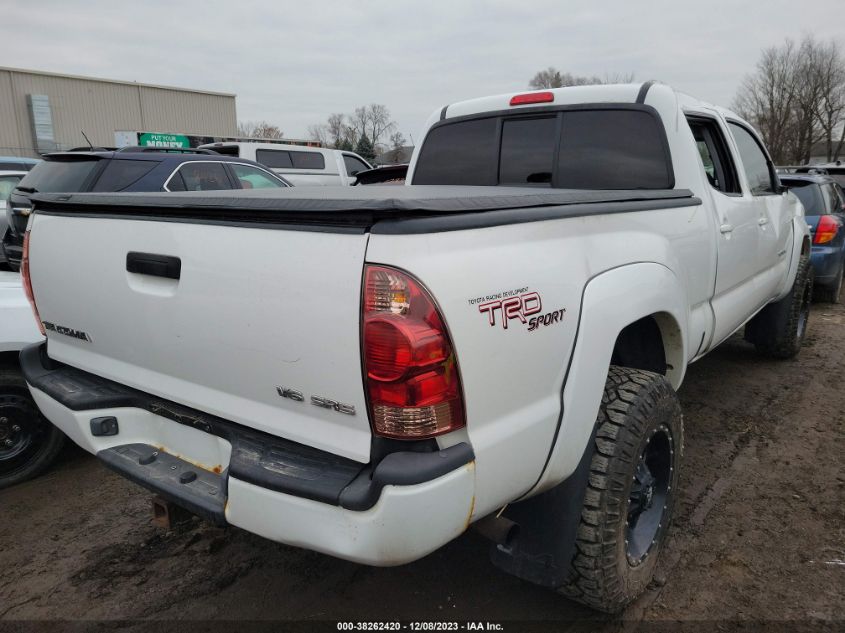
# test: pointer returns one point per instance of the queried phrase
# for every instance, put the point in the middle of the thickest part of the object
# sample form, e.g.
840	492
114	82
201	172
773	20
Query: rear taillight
826	229
27	282
412	378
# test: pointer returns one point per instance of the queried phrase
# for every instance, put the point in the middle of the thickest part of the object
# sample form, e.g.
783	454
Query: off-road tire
14	394
830	293
635	405
778	330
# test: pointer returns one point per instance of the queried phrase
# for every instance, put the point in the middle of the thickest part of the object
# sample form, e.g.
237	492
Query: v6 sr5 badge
517	305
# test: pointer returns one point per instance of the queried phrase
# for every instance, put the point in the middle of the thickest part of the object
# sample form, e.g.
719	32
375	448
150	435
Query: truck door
774	219
735	295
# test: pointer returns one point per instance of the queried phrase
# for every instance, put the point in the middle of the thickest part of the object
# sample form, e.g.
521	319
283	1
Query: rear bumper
826	261
390	513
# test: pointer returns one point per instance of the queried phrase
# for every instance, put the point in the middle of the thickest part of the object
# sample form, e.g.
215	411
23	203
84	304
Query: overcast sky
294	63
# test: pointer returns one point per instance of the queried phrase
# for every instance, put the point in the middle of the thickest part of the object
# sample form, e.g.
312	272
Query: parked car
8	180
824	205
372	370
129	169
301	165
17	163
28	442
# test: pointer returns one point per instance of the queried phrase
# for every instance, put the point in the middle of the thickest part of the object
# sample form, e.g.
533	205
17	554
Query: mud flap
544	547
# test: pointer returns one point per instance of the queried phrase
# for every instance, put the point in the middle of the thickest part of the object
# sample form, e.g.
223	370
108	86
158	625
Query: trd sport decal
517	305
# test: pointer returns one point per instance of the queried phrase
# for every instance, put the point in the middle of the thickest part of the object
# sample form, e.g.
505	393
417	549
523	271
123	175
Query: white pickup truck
369	371
301	165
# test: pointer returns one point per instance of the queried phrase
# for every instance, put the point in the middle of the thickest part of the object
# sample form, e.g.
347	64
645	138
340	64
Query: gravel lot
759	532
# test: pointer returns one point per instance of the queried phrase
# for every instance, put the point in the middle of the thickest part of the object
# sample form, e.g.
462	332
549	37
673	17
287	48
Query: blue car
824	205
126	169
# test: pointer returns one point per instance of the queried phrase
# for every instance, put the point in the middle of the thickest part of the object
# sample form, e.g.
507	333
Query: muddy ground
759	534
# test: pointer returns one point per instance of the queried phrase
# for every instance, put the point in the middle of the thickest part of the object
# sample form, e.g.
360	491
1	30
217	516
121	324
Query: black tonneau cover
414	208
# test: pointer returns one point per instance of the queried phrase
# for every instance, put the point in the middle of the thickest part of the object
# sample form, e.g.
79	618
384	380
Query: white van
299	164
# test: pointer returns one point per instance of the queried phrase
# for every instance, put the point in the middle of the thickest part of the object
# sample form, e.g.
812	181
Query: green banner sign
150	139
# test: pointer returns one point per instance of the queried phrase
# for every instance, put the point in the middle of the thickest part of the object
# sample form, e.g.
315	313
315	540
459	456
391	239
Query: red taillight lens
826	229
27	282
533	97
412	379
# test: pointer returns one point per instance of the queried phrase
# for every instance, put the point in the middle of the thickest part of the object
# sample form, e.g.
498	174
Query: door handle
763	221
154	265
726	228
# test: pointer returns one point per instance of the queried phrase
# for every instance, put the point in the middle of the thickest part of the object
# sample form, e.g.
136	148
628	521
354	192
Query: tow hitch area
175	480
168	515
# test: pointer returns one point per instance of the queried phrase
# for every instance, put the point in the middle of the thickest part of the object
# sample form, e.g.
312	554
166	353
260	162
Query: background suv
824	205
127	169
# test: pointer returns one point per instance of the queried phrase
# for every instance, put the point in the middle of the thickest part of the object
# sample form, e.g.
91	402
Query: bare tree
345	131
338	130
397	144
379	122
830	105
551	77
619	78
358	124
796	98
319	132
259	129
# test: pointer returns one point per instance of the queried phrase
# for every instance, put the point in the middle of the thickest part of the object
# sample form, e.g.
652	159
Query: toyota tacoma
370	371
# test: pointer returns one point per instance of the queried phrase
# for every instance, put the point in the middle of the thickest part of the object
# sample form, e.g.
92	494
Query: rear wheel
628	502
28	442
830	292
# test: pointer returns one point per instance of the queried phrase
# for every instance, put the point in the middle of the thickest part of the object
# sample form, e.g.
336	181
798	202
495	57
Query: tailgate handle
154	265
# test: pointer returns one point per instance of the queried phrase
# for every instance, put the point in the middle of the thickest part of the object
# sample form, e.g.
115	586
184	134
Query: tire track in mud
792	390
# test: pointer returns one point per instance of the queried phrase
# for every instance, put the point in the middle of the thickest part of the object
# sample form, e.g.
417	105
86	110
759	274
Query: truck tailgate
254	313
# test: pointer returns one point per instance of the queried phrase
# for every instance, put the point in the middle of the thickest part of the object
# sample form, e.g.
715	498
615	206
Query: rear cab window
528	150
464	153
599	148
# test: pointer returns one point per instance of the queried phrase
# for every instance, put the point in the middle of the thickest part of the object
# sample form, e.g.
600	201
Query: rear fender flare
800	243
611	301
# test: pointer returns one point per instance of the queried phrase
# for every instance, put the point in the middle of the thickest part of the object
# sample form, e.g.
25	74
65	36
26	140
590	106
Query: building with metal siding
100	107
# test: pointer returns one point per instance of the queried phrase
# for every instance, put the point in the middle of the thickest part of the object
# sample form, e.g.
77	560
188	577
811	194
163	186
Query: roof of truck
640	93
